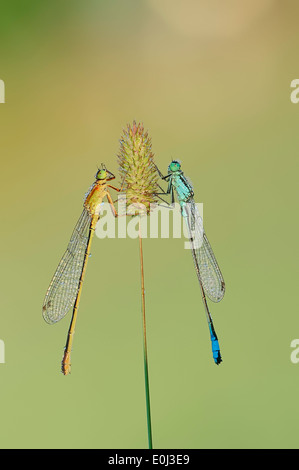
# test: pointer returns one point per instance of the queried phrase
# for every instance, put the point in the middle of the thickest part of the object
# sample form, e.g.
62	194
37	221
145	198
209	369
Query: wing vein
63	288
209	272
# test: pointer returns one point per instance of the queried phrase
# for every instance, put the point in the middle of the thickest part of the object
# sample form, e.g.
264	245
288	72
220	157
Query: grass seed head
137	168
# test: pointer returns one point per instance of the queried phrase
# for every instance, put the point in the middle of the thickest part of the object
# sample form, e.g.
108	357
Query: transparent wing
208	270
62	292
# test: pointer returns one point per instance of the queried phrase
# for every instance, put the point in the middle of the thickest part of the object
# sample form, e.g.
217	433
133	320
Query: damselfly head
101	174
175	165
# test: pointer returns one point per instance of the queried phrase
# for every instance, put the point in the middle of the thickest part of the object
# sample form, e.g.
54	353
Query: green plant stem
146	377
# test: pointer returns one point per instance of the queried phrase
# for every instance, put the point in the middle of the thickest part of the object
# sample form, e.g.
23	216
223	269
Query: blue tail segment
215	345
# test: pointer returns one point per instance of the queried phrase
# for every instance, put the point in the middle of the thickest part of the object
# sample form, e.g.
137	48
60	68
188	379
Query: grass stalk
146	375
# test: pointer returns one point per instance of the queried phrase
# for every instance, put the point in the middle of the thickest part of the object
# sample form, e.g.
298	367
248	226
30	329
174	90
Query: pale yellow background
211	83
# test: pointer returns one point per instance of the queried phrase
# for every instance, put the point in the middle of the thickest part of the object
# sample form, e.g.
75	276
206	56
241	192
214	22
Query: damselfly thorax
95	197
182	186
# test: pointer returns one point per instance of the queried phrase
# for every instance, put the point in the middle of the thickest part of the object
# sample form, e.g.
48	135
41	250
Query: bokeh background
210	80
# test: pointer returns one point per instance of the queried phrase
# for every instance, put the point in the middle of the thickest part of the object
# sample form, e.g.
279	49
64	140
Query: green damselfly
208	272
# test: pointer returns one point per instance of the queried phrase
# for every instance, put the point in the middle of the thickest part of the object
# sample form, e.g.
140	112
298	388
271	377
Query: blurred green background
211	83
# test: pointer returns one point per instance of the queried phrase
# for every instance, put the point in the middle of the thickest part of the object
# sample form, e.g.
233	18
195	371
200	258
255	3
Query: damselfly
209	275
66	285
